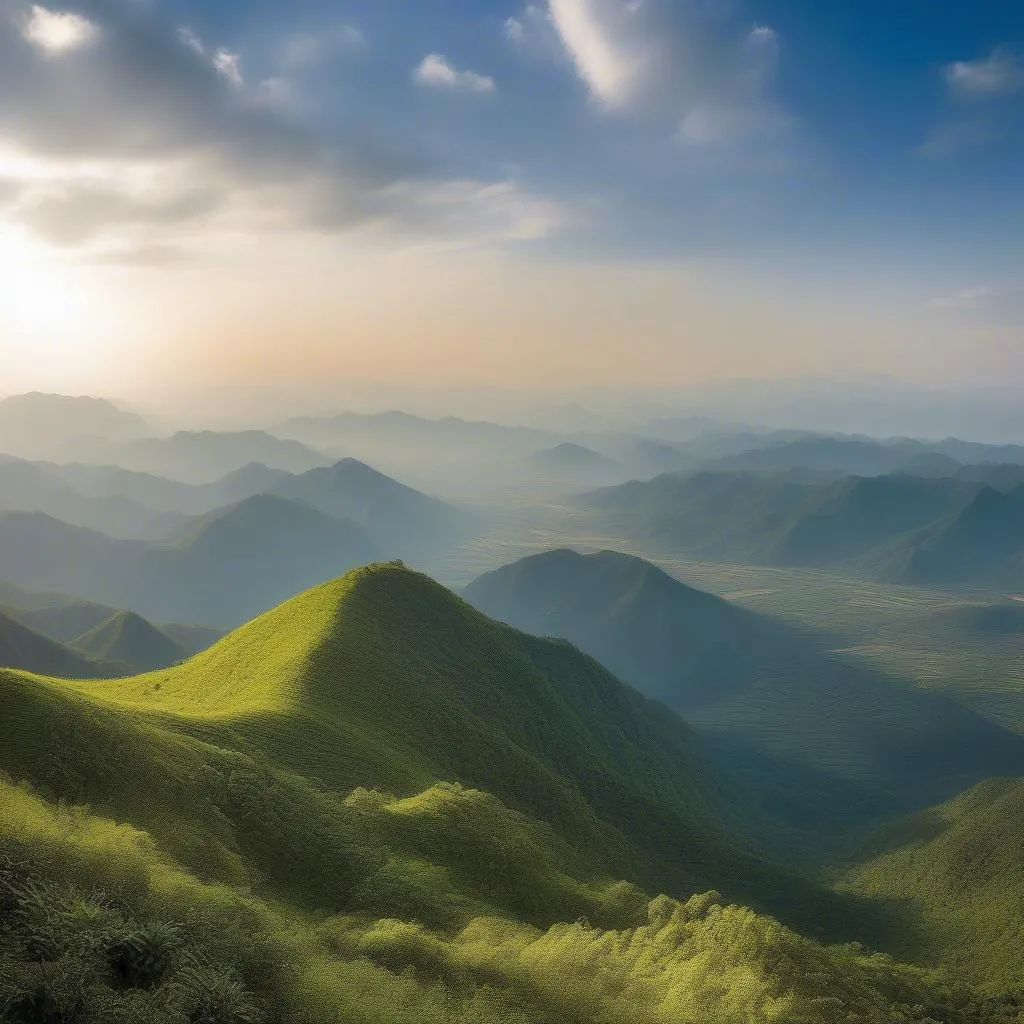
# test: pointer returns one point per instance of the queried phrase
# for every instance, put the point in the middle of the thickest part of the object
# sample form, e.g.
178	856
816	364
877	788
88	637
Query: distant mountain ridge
901	528
218	571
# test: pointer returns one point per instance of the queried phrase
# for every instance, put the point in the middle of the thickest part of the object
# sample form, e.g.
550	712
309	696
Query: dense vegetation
957	872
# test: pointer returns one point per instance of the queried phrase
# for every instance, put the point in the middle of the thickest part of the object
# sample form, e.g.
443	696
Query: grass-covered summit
373	803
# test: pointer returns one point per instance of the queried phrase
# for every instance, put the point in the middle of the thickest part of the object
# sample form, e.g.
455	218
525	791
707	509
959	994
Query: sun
42	304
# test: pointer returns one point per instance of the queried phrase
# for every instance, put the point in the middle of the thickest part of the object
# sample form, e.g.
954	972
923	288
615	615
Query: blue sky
879	143
867	151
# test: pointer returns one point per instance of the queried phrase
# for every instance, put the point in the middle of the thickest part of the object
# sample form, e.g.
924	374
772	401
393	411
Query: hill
959	871
21	648
54	426
752	681
408	519
307	900
221	570
206	456
131	640
40	487
899	528
575	465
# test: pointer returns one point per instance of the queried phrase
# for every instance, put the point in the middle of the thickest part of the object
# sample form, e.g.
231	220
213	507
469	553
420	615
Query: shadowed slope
749	678
130	639
21	648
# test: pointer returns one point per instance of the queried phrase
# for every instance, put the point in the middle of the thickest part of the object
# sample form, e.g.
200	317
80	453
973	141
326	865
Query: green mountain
21	648
900	528
242	859
750	680
223	569
957	874
64	621
131	640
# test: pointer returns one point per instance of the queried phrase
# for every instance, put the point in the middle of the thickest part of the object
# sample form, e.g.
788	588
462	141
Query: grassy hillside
753	680
386	679
241	857
22	648
129	639
959	870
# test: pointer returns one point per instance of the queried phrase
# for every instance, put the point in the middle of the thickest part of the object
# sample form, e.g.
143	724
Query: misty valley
382	717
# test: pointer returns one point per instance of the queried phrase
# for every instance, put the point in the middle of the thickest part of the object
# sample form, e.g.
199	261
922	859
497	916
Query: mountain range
900	528
219	570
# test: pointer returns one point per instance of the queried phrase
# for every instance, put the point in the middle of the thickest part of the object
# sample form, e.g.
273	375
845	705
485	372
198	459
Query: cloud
983	108
602	39
57	32
435	71
228	65
692	67
149	140
999	74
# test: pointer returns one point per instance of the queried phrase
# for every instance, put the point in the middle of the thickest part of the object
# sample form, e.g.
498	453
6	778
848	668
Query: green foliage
957	873
263	835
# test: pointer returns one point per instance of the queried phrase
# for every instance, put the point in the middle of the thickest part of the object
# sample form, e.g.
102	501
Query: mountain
981	542
65	619
309	796
207	456
129	639
68	620
222	569
1003	476
749	680
53	426
39	487
957	873
573	464
408	519
900	528
192	639
21	648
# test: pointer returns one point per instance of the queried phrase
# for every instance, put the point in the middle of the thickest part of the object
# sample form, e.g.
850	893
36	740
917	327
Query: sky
562	193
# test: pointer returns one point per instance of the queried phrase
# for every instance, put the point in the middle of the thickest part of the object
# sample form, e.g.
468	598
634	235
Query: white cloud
691	67
191	40
307	48
227	64
600	37
515	31
999	74
436	71
145	143
57	32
